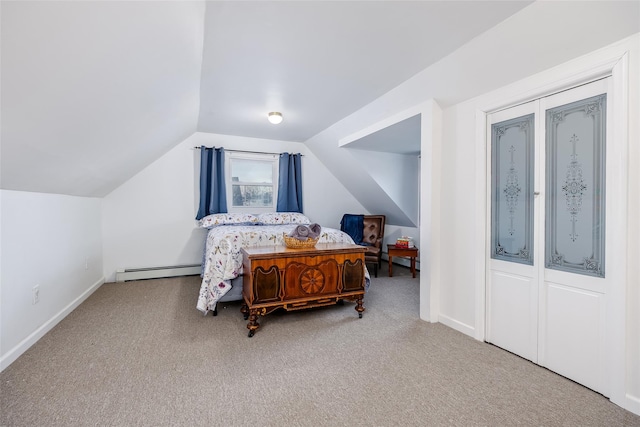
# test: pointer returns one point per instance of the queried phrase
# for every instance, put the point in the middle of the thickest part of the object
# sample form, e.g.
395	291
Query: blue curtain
290	183
213	194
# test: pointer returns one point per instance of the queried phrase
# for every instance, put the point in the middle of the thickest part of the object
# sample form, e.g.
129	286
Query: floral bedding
223	259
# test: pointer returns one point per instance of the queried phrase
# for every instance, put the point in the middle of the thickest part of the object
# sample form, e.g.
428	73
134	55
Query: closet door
513	265
573	289
547	274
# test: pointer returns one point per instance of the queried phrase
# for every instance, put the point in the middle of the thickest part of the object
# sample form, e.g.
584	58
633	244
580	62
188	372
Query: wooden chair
372	235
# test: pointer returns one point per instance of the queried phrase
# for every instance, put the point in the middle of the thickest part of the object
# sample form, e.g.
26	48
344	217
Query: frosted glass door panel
512	169
575	174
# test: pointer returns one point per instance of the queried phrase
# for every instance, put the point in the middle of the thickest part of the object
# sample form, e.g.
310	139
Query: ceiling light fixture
275	117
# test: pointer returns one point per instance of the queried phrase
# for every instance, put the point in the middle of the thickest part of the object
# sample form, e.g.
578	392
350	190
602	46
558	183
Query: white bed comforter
223	259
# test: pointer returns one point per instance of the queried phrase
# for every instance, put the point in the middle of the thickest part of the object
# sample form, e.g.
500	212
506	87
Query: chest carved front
297	279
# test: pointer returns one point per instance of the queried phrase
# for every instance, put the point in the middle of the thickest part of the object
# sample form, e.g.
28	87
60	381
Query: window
252	182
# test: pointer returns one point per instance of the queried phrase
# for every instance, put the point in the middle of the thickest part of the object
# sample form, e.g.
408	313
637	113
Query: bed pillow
277	218
215	220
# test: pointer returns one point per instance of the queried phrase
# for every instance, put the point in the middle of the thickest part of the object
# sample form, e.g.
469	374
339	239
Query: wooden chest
293	279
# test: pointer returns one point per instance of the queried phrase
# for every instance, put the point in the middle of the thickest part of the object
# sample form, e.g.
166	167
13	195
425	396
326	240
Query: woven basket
292	242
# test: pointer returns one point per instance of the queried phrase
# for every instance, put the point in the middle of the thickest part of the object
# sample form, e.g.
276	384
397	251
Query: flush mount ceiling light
275	117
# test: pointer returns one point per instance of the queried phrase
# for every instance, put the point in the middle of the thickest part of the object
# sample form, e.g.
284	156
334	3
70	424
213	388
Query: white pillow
276	218
215	220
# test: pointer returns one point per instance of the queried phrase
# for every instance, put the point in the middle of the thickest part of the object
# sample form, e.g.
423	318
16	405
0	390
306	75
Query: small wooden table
412	253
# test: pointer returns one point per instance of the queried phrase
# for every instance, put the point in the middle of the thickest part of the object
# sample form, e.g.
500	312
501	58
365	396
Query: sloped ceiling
402	137
92	92
319	61
538	38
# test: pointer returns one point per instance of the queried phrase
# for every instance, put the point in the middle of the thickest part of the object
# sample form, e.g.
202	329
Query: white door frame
612	61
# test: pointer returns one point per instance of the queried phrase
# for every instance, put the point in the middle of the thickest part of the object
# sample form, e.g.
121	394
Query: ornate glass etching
512	190
575	204
574	188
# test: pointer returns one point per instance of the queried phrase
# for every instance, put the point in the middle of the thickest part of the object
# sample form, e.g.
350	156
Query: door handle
536	193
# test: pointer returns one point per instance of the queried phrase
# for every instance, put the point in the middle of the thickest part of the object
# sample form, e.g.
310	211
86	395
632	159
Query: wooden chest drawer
277	276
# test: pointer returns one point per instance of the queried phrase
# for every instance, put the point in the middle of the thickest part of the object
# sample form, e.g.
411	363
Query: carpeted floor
140	354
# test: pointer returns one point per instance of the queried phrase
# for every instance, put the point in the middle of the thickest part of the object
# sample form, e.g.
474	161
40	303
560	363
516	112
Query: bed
228	233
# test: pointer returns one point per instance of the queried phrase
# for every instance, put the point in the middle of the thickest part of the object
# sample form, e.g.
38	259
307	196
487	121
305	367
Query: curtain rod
246	151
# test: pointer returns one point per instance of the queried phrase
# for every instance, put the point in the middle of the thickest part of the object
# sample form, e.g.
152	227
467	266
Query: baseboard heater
157	272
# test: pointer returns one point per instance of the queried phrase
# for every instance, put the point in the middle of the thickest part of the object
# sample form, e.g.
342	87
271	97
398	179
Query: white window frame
267	158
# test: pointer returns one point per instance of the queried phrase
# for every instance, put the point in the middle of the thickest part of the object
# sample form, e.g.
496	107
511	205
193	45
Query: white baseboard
25	344
457	325
632	404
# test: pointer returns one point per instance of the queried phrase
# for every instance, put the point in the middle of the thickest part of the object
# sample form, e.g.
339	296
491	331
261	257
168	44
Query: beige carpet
140	354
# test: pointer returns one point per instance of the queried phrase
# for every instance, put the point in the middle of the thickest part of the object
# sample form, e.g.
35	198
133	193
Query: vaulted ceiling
318	62
92	92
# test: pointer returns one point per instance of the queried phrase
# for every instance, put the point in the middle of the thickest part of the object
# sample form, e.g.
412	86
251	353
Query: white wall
633	226
149	220
353	170
458	212
389	183
49	240
397	175
462	212
451	260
